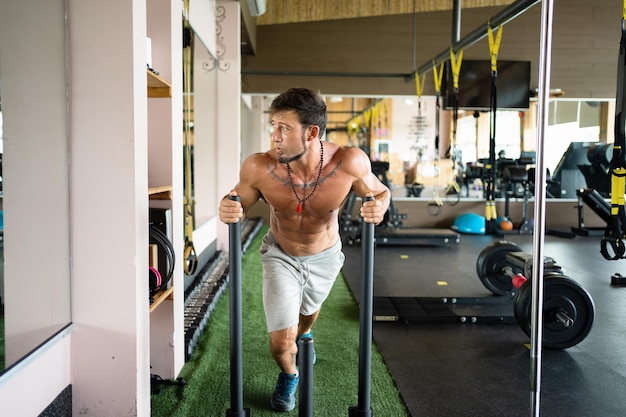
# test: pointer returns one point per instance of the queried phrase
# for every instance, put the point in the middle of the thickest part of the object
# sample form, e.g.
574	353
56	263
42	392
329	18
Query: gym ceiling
369	47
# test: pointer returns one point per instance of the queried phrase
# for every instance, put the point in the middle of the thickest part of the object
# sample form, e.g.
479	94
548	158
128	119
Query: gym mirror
199	98
1	256
35	267
402	130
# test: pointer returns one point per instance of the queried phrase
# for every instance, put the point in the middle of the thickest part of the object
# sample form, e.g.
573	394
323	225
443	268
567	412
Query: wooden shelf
162	296
157	86
163	192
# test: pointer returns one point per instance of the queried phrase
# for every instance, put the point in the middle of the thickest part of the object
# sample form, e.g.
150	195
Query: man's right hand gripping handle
230	209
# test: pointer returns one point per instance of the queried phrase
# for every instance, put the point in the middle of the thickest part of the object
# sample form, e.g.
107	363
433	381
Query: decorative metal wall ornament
220	44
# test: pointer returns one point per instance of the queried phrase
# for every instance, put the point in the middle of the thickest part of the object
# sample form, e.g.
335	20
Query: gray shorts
294	285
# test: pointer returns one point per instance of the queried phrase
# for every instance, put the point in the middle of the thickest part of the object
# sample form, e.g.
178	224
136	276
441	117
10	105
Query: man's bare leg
283	348
307	322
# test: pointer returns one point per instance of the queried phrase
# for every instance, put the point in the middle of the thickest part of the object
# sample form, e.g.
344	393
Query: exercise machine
391	231
594	200
305	345
583	164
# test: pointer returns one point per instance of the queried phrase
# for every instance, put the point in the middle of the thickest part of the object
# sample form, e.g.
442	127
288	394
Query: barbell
568	309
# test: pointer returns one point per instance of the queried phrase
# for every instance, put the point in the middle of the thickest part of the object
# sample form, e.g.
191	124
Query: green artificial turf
336	338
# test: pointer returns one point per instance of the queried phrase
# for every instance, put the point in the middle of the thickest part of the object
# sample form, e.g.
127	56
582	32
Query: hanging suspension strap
612	246
434	206
490	203
189	253
419	87
437	77
455	66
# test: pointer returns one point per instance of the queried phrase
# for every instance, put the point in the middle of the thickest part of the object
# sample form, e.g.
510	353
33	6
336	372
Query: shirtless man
305	181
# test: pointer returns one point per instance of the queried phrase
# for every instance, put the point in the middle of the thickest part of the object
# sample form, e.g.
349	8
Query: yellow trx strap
612	245
189	252
490	206
618	182
367	115
437	76
375	115
455	64
419	84
435	205
494	46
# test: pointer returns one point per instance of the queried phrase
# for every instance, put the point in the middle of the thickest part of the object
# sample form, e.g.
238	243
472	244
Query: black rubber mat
444	366
418	271
496	309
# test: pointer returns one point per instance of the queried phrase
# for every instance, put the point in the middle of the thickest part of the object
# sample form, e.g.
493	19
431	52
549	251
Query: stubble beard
287	159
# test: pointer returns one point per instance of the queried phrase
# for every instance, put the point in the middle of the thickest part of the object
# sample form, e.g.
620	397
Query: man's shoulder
350	151
260	159
351	157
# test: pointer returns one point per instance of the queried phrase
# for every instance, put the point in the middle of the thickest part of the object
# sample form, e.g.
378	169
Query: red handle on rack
518	280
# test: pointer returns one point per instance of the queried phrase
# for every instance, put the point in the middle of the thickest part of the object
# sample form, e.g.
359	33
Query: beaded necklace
319	174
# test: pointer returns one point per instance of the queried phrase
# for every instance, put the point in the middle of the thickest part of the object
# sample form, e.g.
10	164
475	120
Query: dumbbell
568	309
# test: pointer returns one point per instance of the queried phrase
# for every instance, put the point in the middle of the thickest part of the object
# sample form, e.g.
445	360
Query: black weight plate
521	307
489	265
560	294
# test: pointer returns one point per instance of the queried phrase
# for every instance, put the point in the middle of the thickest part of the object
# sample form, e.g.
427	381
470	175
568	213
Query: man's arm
231	211
367	184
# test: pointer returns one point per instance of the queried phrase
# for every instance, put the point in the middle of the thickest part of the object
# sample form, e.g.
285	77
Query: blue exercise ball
471	223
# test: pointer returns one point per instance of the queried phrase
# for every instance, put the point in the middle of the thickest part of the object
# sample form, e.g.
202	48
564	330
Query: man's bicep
247	188
368	183
364	178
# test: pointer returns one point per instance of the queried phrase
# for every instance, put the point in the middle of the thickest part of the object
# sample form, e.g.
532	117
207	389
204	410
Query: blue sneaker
284	396
304	336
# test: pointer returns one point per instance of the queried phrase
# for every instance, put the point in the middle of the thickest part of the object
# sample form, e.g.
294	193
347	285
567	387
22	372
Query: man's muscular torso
315	228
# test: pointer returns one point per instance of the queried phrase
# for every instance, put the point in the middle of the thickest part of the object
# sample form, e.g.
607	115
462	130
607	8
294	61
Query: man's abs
304	243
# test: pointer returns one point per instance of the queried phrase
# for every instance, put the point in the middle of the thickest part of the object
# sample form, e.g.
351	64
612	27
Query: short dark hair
309	106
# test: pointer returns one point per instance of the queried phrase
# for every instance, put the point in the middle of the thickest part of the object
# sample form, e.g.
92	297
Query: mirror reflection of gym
2	365
199	142
408	142
35	274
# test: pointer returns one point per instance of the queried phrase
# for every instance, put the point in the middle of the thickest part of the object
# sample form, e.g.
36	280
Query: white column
229	109
109	206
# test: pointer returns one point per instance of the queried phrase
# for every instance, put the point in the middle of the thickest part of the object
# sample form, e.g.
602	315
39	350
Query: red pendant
299	208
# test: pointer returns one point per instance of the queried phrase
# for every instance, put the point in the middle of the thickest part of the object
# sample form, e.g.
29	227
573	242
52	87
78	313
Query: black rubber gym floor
444	367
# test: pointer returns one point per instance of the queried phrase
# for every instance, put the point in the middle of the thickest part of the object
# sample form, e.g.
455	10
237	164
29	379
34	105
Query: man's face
288	136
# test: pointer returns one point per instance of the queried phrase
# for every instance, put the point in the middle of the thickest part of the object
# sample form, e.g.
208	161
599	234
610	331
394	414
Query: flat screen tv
512	85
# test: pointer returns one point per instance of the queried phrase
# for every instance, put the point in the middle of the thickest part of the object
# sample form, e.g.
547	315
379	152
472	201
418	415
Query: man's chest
324	195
